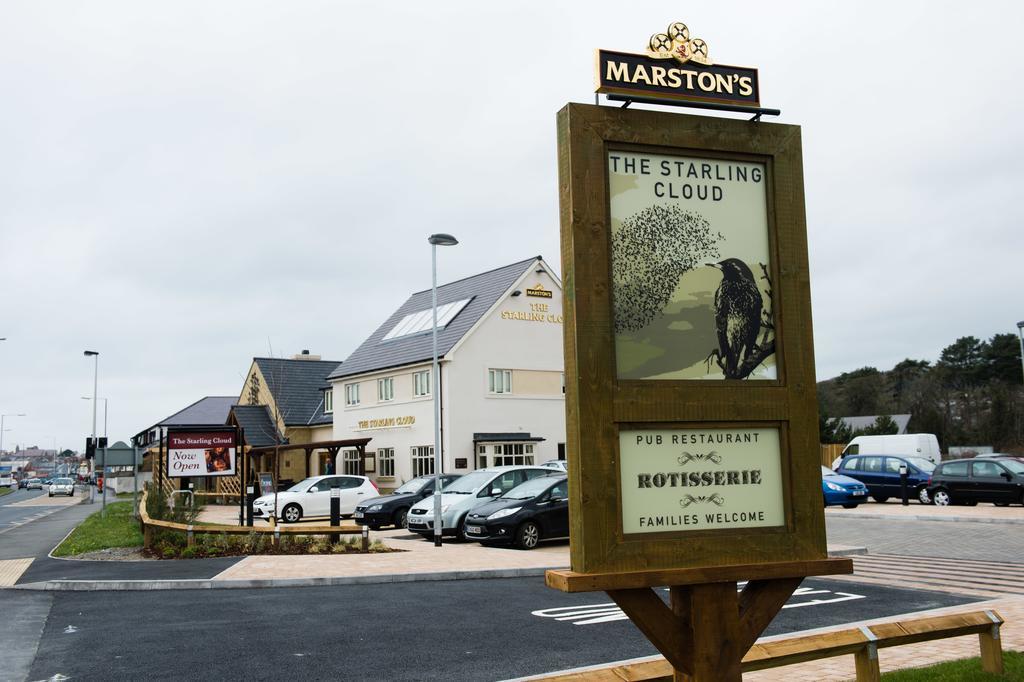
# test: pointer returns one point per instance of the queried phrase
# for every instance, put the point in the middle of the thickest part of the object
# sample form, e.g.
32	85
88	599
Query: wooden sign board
690	391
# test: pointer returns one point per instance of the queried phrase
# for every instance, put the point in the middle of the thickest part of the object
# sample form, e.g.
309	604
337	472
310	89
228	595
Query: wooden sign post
690	391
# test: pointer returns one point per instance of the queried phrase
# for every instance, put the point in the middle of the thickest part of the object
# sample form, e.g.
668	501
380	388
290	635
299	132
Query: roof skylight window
415	323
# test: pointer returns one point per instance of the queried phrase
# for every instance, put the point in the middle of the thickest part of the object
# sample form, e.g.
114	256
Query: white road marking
607	612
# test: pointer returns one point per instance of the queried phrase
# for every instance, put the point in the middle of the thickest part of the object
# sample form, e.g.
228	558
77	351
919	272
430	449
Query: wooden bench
863	642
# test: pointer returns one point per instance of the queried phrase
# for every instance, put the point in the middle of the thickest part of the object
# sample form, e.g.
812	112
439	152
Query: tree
962	363
884	425
1001	358
902	377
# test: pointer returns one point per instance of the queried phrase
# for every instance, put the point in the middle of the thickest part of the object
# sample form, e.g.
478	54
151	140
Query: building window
351	394
423	460
499	380
350	463
385	461
328	401
421	383
517	454
386	389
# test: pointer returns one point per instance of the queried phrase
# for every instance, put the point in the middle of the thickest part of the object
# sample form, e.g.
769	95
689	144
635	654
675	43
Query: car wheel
460	533
852	505
922	495
291	513
527	535
51	494
1001	504
880	498
940	498
400	518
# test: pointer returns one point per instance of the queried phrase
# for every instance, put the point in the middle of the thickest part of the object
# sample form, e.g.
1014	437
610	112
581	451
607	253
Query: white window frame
422	460
421	383
385	389
499	381
351	395
386	462
329	401
350	463
513	454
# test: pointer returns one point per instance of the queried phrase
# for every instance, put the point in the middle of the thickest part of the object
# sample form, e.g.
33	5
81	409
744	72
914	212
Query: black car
999	480
536	509
390	510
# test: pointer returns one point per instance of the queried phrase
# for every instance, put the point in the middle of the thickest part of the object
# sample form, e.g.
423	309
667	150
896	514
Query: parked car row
994	478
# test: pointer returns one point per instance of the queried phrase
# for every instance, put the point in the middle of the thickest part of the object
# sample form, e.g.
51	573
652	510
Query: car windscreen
1013	465
413	486
923	464
300	486
62	481
529	490
470	483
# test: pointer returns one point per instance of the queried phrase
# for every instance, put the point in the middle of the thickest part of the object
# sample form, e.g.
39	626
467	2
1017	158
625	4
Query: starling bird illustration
737	314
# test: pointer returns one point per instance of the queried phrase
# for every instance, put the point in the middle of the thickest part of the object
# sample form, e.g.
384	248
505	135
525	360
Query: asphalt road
35	537
453	630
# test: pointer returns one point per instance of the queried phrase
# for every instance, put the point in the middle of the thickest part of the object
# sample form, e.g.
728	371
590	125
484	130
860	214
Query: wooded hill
972	395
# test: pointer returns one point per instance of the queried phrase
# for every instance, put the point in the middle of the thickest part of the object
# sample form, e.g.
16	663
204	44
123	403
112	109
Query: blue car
881	474
842	490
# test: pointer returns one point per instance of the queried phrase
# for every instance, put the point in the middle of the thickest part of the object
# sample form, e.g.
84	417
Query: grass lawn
964	670
5	490
116	529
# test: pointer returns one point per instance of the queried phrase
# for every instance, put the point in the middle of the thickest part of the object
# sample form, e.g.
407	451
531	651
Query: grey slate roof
257	423
484	289
863	422
212	410
296	386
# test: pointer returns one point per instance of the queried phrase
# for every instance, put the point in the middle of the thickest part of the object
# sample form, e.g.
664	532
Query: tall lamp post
85	397
95	382
1020	333
436	240
2	417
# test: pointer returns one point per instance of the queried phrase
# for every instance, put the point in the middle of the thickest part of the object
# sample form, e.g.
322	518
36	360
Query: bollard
189	536
366	538
277	536
335	510
250	497
903	484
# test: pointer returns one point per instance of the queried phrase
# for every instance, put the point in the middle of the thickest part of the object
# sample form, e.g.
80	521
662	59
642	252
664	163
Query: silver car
467	493
62	486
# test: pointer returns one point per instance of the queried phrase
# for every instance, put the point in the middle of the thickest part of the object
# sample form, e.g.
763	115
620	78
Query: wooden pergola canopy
333	445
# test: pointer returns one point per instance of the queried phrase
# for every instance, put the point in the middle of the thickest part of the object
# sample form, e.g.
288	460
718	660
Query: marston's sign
676	68
201	453
539	292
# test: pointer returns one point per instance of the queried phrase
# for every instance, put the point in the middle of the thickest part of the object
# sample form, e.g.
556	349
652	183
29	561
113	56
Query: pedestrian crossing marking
12	569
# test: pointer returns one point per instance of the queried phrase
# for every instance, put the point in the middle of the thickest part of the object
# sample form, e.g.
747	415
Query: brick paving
983	512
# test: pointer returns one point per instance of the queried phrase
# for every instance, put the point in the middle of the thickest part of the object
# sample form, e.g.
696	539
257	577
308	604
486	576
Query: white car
62	486
556	465
312	497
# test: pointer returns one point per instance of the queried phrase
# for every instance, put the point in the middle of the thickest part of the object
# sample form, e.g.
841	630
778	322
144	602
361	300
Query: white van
908	444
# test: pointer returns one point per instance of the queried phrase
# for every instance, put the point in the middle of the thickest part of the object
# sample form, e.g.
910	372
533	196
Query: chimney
305	355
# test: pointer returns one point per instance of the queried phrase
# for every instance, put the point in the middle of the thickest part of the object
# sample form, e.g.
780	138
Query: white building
502	385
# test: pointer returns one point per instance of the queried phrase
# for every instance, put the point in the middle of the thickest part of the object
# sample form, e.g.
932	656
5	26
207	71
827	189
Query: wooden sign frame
599	404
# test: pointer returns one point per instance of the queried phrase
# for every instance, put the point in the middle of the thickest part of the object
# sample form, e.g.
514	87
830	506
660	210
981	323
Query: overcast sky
185	185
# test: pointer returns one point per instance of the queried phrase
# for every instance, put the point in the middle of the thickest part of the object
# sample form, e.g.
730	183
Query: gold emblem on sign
675	43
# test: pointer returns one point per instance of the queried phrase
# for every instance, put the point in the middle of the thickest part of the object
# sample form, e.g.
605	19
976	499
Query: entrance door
325	460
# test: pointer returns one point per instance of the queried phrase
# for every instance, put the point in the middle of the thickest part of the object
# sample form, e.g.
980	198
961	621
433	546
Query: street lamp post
85	397
1020	333
2	417
95	383
436	240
